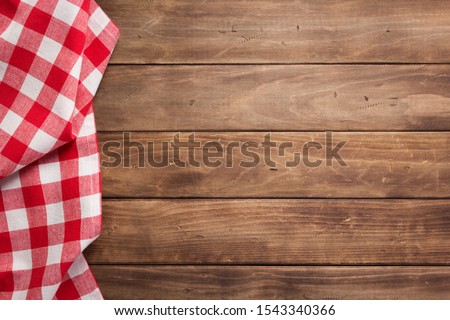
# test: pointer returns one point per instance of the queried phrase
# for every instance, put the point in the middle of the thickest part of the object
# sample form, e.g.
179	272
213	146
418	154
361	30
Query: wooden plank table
375	73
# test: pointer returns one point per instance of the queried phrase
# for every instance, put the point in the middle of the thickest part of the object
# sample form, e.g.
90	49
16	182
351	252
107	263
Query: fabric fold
52	58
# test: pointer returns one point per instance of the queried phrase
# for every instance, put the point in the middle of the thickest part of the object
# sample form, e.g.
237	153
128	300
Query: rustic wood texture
375	72
380	165
285	232
356	97
277	282
266	31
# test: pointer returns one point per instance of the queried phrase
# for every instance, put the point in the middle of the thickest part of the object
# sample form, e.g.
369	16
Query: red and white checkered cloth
52	58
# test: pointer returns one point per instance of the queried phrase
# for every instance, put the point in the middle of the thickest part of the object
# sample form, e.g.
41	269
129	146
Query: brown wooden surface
267	31
356	97
380	165
274	232
237	69
275	282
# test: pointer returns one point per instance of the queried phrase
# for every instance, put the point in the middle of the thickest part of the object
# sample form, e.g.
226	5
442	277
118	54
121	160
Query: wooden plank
266	31
379	165
274	98
277	282
274	232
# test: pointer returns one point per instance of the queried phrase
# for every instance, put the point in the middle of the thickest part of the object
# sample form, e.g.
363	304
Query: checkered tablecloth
52	58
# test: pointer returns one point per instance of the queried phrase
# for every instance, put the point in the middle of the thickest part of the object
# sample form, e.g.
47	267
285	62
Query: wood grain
380	165
273	232
292	98
235	70
277	282
265	31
